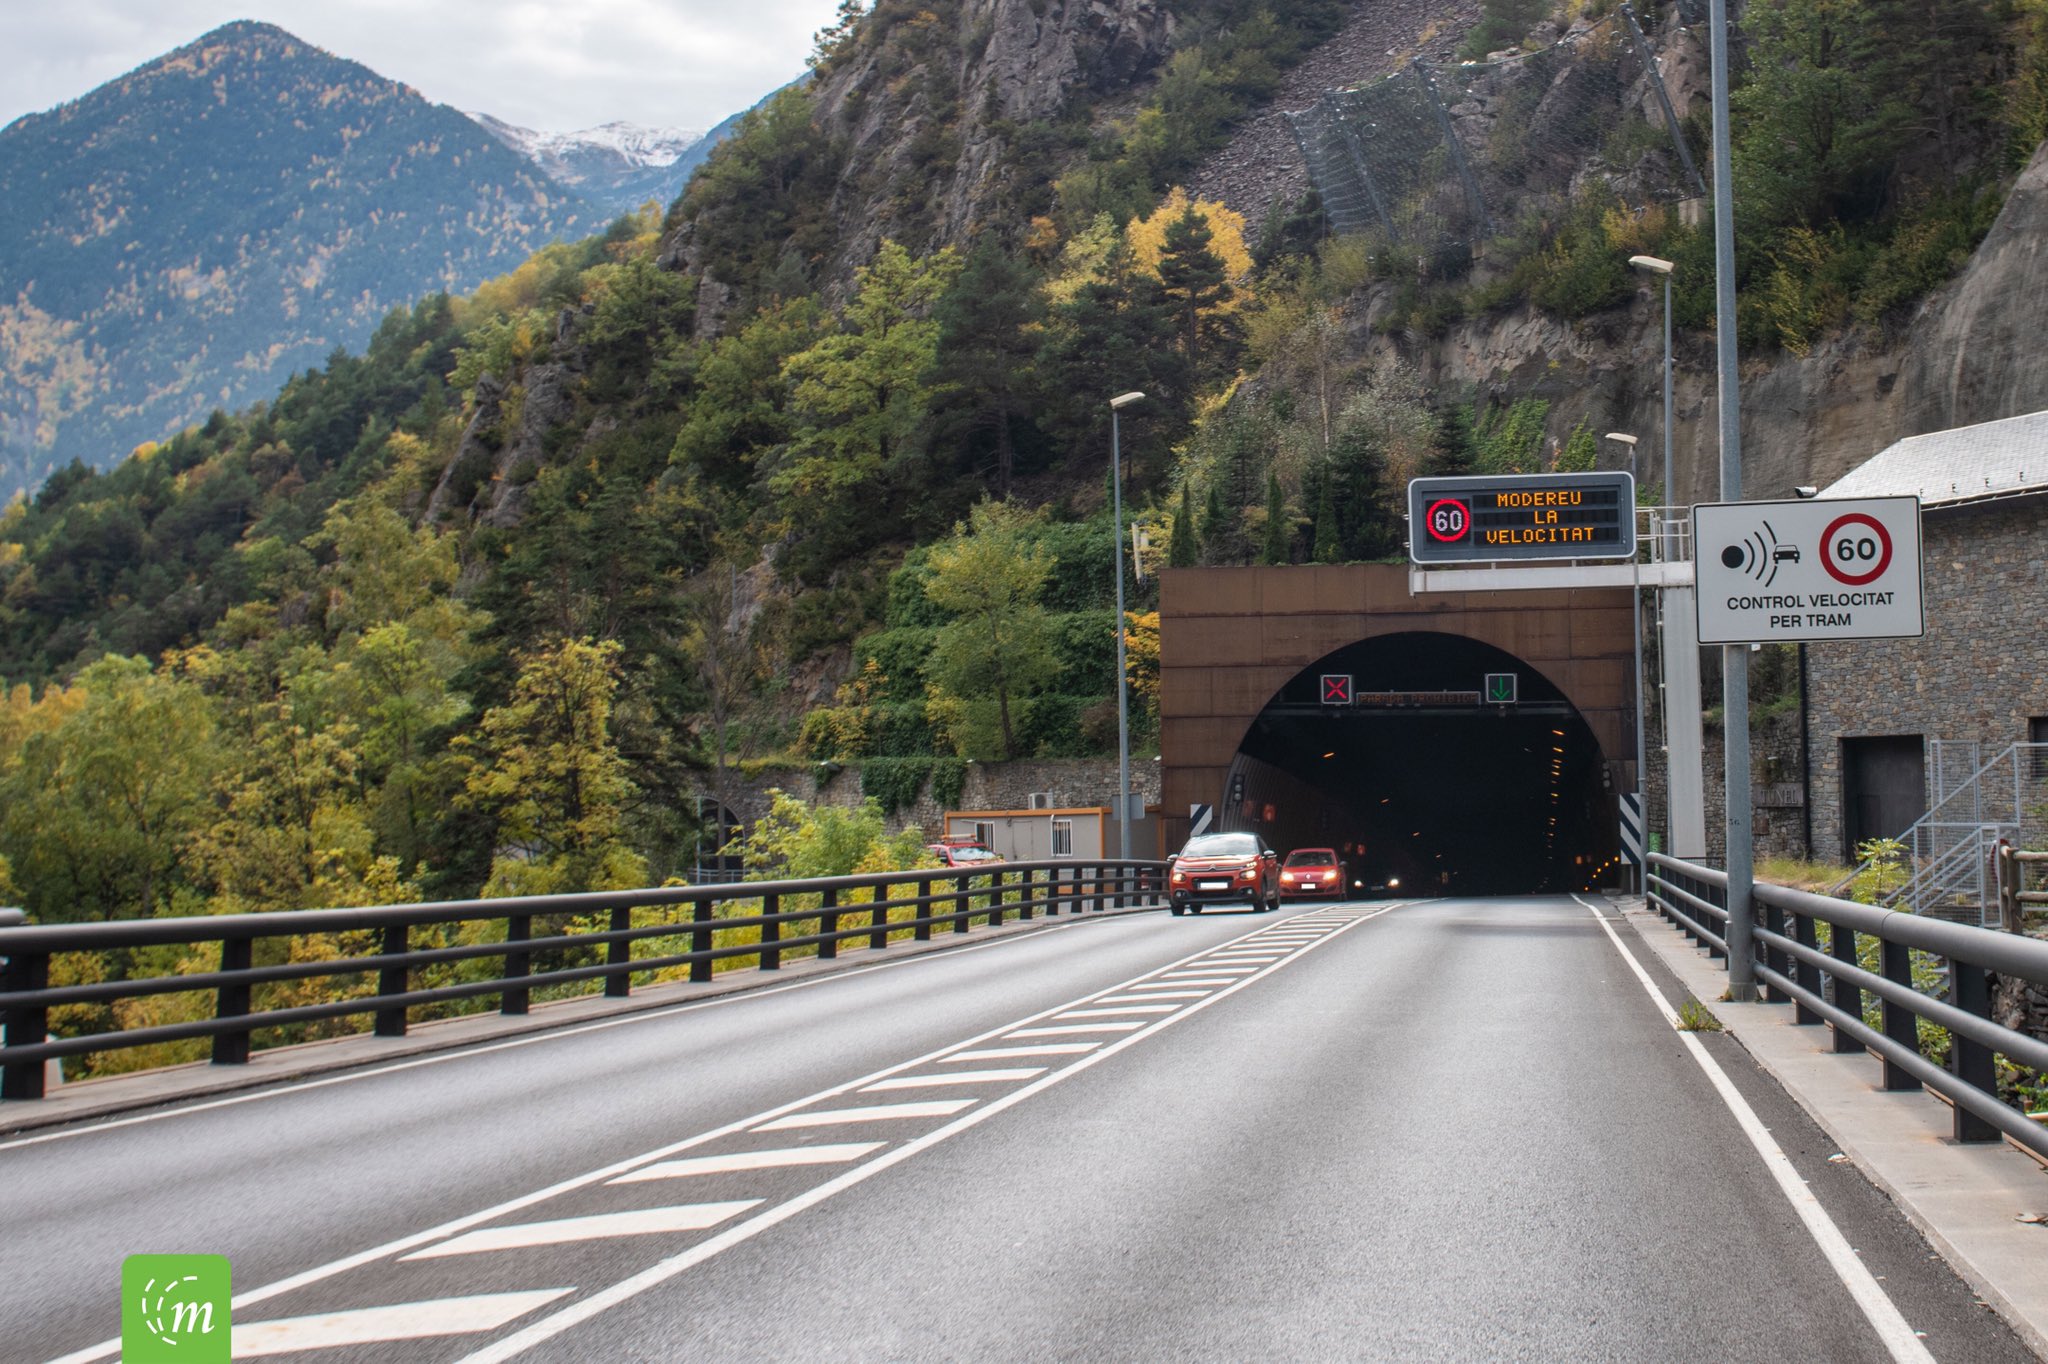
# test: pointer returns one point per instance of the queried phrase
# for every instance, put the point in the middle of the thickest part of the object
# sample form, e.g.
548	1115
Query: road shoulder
1965	1199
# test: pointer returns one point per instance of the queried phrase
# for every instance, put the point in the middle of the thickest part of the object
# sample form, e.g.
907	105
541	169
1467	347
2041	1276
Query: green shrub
893	782
900	654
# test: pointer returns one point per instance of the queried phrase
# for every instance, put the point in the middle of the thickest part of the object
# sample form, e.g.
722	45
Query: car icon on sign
1786	554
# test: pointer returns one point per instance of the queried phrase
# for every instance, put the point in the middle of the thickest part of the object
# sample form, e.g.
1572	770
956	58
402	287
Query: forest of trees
345	648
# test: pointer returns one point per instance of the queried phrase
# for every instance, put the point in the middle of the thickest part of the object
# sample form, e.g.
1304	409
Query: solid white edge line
577	1313
1877	1307
391	1249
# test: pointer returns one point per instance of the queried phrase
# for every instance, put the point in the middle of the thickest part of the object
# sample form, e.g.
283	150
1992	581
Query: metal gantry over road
1356	1130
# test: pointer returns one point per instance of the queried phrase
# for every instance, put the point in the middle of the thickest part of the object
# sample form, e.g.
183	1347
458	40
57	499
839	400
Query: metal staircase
1951	851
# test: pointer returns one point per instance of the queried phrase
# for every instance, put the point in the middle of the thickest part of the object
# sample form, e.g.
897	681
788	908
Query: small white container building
1084	833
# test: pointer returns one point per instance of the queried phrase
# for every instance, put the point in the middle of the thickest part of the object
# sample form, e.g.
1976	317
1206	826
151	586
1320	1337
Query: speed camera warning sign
1772	572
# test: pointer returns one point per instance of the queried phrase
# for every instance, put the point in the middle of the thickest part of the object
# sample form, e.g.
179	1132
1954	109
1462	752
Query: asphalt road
1451	1130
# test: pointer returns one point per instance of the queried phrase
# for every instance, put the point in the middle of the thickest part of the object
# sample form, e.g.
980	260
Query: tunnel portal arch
1240	647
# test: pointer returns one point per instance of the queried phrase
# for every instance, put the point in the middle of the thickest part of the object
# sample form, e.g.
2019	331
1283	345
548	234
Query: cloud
551	64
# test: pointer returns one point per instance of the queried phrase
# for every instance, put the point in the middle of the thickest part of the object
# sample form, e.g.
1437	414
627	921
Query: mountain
695	156
184	237
617	166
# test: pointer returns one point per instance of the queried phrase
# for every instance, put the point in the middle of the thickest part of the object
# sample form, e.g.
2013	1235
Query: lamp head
1650	265
1623	437
1806	490
1125	399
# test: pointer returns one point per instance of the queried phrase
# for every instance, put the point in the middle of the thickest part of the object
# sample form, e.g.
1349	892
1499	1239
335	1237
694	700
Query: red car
1223	868
1314	871
954	853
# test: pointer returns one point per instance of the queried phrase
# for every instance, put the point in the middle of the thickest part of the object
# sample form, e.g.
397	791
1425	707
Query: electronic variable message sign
1521	517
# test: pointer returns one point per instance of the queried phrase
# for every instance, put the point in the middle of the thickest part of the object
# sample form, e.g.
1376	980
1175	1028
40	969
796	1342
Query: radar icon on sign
1758	554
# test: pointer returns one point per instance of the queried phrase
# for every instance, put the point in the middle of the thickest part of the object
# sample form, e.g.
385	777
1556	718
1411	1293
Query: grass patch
1694	1016
1818	877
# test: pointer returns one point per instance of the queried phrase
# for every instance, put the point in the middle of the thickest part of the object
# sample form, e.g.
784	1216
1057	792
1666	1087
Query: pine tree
1184	552
1194	281
1275	550
1328	550
987	337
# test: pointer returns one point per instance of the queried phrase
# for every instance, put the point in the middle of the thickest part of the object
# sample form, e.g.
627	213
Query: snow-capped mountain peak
632	144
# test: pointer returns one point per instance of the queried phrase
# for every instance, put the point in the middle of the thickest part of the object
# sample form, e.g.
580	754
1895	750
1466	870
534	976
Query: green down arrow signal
1500	688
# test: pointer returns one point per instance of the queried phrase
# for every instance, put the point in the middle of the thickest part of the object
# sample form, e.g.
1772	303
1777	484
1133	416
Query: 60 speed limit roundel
1449	520
1856	549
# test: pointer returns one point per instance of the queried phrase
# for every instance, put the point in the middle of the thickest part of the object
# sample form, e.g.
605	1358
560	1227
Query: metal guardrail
828	911
1828	986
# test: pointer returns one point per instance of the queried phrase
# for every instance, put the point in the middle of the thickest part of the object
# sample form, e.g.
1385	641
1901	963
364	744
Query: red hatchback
1228	868
1313	871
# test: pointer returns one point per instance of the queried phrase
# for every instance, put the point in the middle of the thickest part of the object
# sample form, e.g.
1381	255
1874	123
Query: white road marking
752	1160
958	1077
653	1015
1174	985
1202	978
1076	1029
1118	1012
597	1227
575	1314
376	1325
1014	1053
1877	1307
832	1117
1163	994
943	1055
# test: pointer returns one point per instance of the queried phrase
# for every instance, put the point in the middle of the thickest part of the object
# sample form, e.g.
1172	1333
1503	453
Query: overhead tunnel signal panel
1521	517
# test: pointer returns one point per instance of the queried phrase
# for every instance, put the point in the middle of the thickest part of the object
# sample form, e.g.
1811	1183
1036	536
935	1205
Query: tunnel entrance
1421	780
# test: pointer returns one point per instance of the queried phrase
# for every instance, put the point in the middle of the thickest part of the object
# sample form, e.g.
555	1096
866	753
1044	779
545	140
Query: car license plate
1212	885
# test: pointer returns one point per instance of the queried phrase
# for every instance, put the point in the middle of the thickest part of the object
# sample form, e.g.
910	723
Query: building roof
2006	458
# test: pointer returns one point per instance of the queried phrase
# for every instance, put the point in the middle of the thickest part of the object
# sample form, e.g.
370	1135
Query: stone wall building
1897	722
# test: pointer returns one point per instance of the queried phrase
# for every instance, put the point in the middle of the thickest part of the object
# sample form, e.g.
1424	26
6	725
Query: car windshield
1221	845
1312	857
974	855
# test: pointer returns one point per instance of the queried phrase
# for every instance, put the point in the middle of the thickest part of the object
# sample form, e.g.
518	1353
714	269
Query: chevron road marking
381	1325
752	1160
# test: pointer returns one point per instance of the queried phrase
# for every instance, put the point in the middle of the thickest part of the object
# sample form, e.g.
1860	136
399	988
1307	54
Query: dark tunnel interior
1422	780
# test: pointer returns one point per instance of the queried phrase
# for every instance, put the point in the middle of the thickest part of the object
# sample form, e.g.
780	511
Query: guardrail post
995	900
2010	915
1847	996
702	913
391	981
1775	957
960	903
828	922
1971	1061
1095	887
771	933
878	927
1804	971
1719	901
232	1001
514	999
1899	1023
619	984
1025	904
922	930
24	1026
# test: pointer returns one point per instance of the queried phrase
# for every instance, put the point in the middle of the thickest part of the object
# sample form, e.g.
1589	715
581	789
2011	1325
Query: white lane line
752	1160
575	1314
1163	994
832	1117
949	1053
958	1077
1118	1012
1877	1307
1018	1053
1078	1029
597	1227
377	1325
654	1015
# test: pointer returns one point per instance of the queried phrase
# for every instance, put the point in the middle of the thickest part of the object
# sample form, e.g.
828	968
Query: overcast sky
555	65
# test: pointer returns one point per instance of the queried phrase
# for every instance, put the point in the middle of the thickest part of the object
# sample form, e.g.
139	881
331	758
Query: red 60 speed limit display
1520	517
1772	572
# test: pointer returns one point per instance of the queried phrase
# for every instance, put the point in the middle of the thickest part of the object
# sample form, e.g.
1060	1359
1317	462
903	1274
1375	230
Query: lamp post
1635	610
1123	701
1652	265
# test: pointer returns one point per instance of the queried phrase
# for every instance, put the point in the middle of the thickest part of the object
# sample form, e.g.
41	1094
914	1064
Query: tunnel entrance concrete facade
1237	643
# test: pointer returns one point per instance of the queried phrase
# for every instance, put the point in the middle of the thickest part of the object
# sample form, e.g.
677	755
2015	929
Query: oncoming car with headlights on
1223	869
1314	871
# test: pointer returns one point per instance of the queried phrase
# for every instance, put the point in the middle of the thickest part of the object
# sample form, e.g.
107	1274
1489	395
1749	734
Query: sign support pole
1734	657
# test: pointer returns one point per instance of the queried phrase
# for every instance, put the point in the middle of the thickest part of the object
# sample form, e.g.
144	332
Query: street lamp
1123	702
1652	265
1635	602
